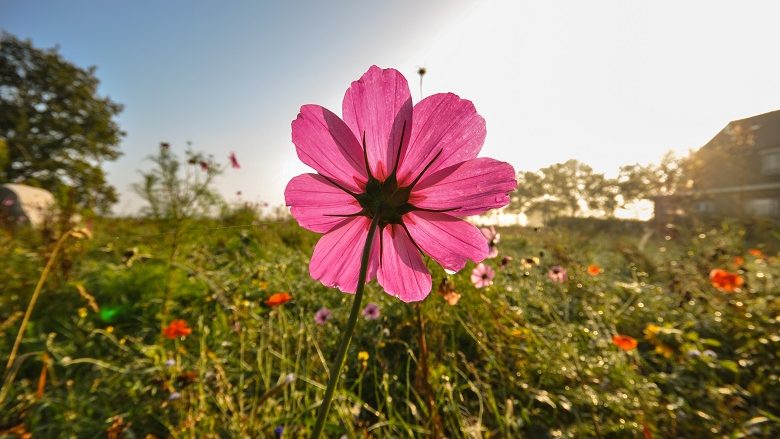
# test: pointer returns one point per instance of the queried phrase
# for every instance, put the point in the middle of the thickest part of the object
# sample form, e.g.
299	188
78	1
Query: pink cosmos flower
411	170
322	316
492	238
556	273
371	311
482	276
234	161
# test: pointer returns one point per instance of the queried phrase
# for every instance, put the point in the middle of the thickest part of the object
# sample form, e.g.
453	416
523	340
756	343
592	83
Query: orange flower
624	342
594	269
452	298
176	329
757	253
739	261
725	281
277	299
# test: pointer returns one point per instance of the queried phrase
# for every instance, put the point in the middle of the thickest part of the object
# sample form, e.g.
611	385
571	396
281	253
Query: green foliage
562	189
173	197
671	175
57	129
525	357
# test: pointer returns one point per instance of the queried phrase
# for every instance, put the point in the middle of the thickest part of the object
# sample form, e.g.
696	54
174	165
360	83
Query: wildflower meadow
650	346
387	270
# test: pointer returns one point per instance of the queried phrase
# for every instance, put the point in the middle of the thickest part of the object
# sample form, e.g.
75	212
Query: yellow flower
664	350
82	312
651	331
520	332
363	356
110	329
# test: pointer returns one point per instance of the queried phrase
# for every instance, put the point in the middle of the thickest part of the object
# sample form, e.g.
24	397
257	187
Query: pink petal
448	240
402	272
469	188
336	258
379	104
313	200
442	122
324	142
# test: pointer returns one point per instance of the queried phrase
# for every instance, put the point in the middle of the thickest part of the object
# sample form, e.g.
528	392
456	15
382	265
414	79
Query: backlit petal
402	272
324	142
314	201
469	188
448	240
444	124
336	258
379	104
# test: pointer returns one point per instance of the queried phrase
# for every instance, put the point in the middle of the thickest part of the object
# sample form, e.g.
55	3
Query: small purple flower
174	396
557	274
371	311
170	362
322	316
278	431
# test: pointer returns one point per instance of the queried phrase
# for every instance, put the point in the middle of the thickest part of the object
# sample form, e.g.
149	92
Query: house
22	204
735	175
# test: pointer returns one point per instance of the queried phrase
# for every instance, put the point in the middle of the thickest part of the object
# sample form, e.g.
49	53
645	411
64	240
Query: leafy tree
671	175
563	189
57	129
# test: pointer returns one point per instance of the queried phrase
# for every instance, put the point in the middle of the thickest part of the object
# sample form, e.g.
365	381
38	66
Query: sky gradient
608	82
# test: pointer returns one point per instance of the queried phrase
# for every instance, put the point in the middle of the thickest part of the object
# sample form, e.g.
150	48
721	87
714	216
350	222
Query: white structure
24	204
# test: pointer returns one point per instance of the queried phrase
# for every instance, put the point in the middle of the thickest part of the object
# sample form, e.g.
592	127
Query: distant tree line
573	188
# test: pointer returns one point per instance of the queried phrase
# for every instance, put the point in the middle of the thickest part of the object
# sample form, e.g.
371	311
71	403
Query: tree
563	189
672	175
58	131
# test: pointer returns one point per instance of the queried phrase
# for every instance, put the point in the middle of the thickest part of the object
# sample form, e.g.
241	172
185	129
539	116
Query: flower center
385	200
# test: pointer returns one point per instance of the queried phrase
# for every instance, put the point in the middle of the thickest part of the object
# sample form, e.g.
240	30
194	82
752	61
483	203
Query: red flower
725	281
756	253
594	269
234	161
176	329
624	342
278	299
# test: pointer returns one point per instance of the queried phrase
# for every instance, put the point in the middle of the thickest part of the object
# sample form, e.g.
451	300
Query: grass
525	357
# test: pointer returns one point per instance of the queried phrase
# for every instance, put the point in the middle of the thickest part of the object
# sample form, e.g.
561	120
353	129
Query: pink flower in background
482	276
411	170
8	202
322	316
234	161
492	238
556	273
371	311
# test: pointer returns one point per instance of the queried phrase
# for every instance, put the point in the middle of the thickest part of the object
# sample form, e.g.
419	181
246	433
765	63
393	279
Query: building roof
763	131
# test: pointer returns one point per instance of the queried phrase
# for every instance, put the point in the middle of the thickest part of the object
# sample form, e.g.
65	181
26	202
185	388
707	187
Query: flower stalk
78	233
338	362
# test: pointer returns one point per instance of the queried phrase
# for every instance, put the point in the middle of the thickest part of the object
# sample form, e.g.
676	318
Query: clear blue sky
609	82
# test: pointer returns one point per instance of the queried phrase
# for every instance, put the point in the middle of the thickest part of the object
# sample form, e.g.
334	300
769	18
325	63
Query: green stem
28	313
338	363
